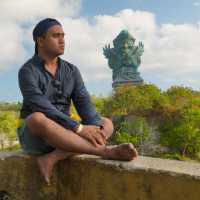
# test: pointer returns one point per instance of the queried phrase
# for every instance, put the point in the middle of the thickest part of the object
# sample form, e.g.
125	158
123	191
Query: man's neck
50	61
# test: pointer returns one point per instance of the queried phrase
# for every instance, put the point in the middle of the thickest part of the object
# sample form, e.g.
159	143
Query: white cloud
11	50
86	40
17	20
197	3
171	50
175	46
28	10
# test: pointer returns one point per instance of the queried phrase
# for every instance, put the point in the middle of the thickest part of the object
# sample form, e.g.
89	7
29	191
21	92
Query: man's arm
34	98
82	102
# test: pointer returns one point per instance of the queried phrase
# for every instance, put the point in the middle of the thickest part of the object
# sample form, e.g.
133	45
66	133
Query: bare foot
47	162
45	167
124	152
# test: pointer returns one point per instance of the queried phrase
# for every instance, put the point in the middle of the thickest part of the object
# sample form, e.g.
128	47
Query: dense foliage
135	100
177	112
135	131
8	124
180	126
5	106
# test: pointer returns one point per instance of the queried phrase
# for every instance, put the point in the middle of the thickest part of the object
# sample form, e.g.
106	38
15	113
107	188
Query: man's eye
58	35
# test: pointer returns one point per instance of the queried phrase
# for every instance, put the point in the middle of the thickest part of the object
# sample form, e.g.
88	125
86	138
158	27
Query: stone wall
87	177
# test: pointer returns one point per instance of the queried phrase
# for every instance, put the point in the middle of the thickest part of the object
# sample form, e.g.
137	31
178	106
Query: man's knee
108	126
35	119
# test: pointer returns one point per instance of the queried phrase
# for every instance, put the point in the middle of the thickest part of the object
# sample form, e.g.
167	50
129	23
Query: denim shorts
32	144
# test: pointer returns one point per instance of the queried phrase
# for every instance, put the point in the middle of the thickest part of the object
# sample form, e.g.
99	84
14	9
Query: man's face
53	42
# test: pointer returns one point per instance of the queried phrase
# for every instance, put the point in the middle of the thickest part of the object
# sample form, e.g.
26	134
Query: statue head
124	54
124	41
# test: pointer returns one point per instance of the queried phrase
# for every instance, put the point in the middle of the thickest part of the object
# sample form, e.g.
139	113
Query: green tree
5	106
99	103
181	132
135	131
8	125
140	100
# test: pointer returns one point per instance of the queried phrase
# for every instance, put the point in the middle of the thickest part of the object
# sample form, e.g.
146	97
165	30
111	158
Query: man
48	84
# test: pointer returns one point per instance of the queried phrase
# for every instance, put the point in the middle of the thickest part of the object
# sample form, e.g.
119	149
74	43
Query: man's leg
47	162
66	141
52	158
107	127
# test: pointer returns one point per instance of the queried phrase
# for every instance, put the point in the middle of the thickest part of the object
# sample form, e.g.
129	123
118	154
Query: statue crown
124	35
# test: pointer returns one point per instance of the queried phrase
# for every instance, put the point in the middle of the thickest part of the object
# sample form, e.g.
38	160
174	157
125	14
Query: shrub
181	132
128	99
8	125
135	132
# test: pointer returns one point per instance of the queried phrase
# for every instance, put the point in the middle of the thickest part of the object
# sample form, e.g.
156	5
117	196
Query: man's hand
93	134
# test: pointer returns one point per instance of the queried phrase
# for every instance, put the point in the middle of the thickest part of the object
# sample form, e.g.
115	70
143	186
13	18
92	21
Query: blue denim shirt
52	95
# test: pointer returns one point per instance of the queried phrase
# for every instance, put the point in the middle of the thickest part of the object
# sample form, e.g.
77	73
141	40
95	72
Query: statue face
126	46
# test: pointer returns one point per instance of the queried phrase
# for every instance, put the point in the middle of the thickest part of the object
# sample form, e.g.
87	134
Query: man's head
49	37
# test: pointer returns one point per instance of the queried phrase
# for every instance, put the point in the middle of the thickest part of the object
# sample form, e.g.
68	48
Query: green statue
124	59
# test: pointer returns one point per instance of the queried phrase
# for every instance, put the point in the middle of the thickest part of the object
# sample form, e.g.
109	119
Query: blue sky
169	29
168	11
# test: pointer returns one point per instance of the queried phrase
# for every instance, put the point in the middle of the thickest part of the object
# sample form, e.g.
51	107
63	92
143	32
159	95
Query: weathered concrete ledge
87	177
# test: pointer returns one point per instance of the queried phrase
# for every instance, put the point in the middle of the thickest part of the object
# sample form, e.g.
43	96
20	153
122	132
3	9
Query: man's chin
60	53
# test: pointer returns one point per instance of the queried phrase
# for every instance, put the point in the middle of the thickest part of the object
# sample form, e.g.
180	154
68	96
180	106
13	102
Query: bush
99	103
8	124
135	132
140	100
177	112
181	132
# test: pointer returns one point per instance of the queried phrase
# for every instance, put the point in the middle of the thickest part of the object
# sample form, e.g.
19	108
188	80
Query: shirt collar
38	59
41	61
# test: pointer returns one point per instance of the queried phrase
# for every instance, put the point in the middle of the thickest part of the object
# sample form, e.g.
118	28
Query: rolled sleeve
83	103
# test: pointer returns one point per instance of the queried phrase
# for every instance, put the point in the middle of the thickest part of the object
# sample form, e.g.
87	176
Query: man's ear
40	41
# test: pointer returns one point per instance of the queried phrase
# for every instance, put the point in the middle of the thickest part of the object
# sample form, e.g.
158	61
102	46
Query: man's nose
61	40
